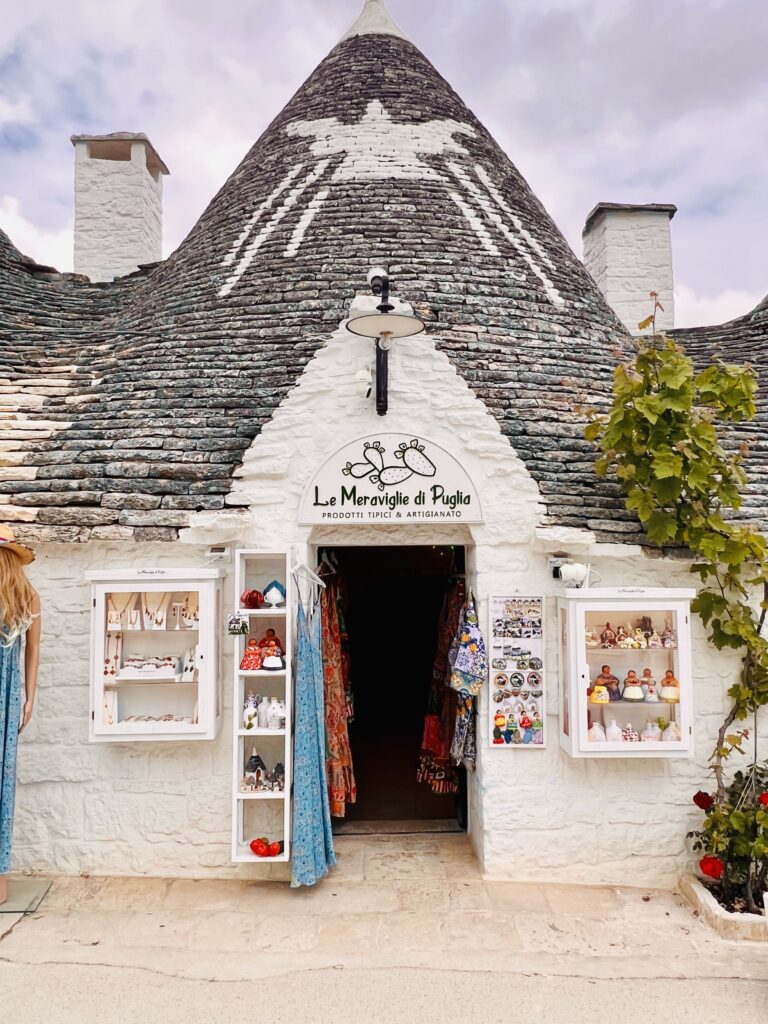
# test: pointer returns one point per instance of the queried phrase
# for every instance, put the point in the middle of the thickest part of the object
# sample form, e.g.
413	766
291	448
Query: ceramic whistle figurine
621	637
270	639
250	711
629	734
646	680
604	687
670	688
669	636
651	733
499	727
654	640
252	657
274	594
591	638
632	688
255	771
596	733
608	636
640	641
672	733
613	732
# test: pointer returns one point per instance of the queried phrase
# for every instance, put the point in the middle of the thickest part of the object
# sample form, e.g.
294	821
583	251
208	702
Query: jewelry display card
516	705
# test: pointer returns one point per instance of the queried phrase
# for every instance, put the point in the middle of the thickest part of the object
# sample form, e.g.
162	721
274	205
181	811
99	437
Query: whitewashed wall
629	255
164	809
118	214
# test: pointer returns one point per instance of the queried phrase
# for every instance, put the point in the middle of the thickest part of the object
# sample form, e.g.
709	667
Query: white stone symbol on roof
376	148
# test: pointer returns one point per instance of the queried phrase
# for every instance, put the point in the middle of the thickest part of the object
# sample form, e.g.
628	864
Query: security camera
378	279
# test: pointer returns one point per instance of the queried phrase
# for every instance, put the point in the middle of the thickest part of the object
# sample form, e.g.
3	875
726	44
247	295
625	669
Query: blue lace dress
312	848
10	709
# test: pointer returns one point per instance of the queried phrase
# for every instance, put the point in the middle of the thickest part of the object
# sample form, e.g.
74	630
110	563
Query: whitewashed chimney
118	204
628	252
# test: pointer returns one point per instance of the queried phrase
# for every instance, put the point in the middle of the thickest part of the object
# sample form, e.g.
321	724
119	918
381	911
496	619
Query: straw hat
8	542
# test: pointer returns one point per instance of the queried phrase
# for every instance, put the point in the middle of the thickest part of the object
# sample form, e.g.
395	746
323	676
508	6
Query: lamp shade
373	325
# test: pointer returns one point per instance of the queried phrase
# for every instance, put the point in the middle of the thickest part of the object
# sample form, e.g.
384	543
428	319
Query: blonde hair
17	597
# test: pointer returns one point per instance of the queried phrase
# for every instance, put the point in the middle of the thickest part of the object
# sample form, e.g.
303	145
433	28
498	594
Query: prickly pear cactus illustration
414	458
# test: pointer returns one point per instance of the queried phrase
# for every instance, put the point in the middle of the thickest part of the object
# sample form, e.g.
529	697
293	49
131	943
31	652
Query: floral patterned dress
341	777
10	710
312	849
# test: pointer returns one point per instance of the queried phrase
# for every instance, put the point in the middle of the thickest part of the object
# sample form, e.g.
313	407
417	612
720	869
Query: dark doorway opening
393	600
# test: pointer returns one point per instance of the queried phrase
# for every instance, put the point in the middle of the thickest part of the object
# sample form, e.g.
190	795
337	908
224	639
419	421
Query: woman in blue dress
19	617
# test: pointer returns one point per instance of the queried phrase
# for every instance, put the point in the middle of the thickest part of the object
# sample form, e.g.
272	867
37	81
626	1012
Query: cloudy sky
619	100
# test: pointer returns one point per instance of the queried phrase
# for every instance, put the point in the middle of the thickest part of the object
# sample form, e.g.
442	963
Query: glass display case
155	671
262	736
625	672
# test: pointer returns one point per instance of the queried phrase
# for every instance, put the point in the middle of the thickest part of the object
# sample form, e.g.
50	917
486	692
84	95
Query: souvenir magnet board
516	705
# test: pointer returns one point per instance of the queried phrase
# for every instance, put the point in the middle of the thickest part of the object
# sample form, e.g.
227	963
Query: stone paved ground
406	928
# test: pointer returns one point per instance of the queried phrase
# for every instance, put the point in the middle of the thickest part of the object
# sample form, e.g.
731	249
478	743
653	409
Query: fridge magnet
517	636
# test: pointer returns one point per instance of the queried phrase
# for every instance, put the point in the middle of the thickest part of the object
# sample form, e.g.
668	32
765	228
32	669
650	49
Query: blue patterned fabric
10	710
312	848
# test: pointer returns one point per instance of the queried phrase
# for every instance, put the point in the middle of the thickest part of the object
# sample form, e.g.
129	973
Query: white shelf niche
263	812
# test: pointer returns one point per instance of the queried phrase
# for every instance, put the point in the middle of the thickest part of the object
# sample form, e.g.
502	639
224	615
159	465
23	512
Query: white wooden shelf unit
254	570
128	706
586	613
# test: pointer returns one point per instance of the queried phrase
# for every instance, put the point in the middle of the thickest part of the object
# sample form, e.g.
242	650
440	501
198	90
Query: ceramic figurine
651	733
646	680
275	713
591	638
632	688
654	640
251	661
255	769
670	688
270	639
277	777
652	694
640	641
605	687
272	659
613	732
526	724
672	733
538	731
669	636
608	636
251	711
621	636
599	695
499	726
596	733
274	594
629	734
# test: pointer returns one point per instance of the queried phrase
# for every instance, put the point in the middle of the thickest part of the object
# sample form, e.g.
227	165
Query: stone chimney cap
669	208
154	163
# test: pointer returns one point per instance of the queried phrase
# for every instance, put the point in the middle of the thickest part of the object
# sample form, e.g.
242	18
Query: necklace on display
154	610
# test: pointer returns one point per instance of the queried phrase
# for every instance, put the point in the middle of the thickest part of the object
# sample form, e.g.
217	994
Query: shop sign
390	479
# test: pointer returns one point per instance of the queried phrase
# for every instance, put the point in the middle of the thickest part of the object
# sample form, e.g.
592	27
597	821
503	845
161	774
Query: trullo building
178	434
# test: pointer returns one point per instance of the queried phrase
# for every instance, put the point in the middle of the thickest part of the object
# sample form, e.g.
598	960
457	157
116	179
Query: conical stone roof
374	160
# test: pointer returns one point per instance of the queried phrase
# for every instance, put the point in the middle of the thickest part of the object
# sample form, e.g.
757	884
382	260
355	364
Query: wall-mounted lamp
383	325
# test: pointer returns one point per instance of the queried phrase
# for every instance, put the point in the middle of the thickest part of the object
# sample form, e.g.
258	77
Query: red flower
703	800
763	799
712	867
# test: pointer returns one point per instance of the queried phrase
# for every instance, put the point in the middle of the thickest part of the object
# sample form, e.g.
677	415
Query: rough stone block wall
629	254
118	214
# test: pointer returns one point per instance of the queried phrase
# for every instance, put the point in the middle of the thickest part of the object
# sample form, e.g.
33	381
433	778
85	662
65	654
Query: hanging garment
349	698
469	670
10	711
312	849
470	667
341	777
435	768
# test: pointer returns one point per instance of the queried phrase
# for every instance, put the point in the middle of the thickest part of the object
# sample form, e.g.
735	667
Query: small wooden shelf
263	612
244	855
133	681
265	795
151	632
261	732
262	673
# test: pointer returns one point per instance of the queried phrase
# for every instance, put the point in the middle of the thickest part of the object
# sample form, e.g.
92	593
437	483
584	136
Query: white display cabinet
155	669
261	792
605	635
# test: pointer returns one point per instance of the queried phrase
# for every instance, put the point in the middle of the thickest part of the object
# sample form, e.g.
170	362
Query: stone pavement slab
437	919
